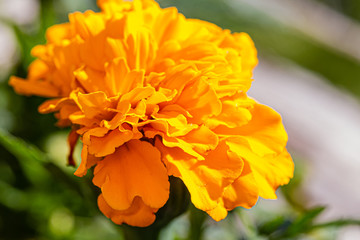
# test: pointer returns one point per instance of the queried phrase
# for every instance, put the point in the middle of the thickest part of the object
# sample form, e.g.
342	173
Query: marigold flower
152	94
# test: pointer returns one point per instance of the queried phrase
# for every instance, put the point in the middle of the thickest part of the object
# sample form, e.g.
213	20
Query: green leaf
336	223
21	149
12	198
36	165
302	224
272	226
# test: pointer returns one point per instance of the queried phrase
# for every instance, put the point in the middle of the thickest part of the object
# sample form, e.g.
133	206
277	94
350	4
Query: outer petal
243	192
87	161
207	179
138	214
72	140
270	171
39	88
106	145
57	33
264	134
135	169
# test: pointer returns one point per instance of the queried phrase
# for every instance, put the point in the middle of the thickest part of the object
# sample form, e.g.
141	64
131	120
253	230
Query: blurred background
309	71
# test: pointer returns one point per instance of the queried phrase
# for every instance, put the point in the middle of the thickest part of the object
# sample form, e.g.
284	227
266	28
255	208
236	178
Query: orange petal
206	180
57	33
89	79
236	112
200	100
172	122
87	24
39	88
179	76
106	145
135	169
219	212
265	133
96	131
38	70
72	140
243	192
87	161
270	171
116	72
95	104
141	49
137	94
196	142
138	214
119	79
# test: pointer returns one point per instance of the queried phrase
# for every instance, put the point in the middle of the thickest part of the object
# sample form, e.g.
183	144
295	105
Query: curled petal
235	112
135	169
207	179
270	171
264	133
95	104
200	100
72	140
138	214
243	192
106	145
87	161
196	142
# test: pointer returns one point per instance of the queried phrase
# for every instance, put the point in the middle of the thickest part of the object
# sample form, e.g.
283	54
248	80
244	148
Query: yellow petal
270	171
57	33
141	49
243	191
207	179
120	80
235	112
87	24
196	142
200	100
265	133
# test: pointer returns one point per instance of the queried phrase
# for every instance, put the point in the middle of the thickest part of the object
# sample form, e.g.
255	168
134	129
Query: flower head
152	94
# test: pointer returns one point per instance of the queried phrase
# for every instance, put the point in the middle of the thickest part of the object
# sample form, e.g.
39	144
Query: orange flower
152	94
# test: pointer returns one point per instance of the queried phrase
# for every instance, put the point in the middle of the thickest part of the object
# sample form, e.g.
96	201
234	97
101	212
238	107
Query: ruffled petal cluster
152	94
